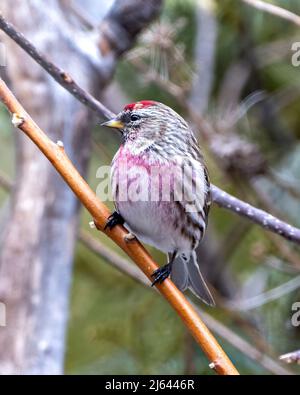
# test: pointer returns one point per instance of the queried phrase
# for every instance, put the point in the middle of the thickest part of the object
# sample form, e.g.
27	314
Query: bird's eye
134	117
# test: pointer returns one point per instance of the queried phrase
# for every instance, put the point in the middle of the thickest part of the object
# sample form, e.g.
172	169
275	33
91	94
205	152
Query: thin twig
124	266
274	10
265	199
221	198
266	297
276	263
57	156
260	217
242	345
224	199
285	250
291	357
62	77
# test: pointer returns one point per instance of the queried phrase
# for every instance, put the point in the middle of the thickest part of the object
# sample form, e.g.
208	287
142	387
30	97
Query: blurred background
227	67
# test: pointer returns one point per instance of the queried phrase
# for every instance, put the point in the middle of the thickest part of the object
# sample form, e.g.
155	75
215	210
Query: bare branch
260	217
291	357
34	338
221	198
286	252
216	326
122	264
125	267
266	297
63	78
274	10
242	345
57	156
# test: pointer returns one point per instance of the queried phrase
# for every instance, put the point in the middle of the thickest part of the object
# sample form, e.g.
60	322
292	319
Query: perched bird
161	189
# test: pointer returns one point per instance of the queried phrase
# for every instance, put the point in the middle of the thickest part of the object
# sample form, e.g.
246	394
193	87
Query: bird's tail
186	274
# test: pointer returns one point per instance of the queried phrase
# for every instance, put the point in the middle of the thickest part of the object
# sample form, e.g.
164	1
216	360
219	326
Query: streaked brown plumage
156	140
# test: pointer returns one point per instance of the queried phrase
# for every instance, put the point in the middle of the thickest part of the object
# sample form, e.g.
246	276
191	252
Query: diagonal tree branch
56	155
34	339
221	198
120	263
260	217
274	10
266	297
124	266
63	78
291	357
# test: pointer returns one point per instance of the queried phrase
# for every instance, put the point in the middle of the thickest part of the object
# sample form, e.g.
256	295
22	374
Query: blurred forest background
227	68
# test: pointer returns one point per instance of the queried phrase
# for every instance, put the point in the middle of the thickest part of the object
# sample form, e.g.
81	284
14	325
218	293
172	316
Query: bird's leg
114	219
163	272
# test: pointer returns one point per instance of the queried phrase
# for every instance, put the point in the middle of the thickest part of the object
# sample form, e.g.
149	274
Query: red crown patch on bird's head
139	104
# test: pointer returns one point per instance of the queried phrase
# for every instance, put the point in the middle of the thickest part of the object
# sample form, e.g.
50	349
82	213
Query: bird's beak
114	123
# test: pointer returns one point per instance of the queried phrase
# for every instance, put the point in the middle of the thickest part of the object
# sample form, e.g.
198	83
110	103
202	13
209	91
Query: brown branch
221	198
246	348
124	266
284	249
63	38
57	156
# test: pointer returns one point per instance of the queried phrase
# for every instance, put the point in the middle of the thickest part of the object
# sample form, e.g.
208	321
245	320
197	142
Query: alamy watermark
2	314
296	316
152	183
296	55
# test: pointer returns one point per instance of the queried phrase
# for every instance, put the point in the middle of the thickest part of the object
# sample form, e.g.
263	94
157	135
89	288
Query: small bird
161	189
